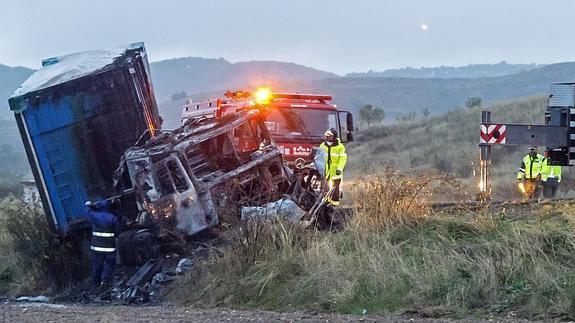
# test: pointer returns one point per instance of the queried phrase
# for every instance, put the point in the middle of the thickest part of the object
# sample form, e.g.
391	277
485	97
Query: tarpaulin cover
58	70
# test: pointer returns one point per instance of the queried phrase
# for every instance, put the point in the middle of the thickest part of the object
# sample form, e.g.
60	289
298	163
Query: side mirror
349	136
349	122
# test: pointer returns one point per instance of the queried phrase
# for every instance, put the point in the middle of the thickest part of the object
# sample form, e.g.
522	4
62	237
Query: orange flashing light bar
296	96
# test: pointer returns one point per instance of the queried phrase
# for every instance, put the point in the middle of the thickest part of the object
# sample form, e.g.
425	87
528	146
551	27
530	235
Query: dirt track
35	312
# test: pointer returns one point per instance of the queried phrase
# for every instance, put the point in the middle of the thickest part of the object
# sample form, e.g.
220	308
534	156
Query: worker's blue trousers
103	265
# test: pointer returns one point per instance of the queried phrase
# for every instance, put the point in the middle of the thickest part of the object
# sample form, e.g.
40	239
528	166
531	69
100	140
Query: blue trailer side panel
76	130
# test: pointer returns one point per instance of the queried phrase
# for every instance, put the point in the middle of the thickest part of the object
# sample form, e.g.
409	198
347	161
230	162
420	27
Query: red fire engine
297	122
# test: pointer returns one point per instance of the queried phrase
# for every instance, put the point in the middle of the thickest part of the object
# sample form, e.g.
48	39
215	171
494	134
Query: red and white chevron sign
492	134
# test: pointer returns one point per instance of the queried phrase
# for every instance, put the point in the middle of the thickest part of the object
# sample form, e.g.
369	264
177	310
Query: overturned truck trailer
183	180
77	115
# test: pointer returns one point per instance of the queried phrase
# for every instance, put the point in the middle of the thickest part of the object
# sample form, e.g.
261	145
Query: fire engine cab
297	122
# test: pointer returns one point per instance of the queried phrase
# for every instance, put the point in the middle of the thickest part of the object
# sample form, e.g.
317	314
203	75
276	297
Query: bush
384	200
35	258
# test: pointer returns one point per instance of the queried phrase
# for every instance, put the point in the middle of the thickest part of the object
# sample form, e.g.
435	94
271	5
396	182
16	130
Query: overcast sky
333	35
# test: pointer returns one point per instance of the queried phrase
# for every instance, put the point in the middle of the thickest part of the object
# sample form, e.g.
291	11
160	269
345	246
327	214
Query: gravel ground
42	312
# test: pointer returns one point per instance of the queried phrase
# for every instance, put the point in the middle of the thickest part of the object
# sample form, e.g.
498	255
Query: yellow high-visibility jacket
530	167
336	158
550	171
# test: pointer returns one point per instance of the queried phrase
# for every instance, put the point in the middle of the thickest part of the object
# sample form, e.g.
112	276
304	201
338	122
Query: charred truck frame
557	134
182	179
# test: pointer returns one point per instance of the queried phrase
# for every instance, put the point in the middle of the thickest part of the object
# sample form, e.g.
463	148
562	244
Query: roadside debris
45	305
162	279
184	265
284	209
34	299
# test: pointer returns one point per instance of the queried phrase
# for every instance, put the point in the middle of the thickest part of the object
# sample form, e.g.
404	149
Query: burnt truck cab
297	122
183	179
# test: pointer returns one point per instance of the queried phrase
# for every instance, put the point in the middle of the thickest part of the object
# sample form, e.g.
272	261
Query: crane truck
297	122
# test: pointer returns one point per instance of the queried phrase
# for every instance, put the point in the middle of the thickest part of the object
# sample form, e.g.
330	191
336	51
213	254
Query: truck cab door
181	206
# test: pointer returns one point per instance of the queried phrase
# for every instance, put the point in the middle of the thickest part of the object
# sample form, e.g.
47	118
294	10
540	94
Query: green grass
453	262
449	143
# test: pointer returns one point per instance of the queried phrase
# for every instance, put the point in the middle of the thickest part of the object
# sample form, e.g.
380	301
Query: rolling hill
468	71
196	75
190	75
400	96
403	95
202	78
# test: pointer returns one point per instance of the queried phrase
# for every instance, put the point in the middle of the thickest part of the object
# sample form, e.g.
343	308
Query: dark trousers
550	187
103	265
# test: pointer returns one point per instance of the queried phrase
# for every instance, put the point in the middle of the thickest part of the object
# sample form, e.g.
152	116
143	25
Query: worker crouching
105	228
529	174
336	158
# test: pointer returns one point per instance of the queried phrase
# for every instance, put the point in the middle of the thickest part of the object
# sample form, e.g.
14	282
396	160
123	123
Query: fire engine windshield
298	123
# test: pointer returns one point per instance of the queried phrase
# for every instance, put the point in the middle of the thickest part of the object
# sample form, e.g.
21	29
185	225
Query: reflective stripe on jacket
104	229
530	167
550	171
336	158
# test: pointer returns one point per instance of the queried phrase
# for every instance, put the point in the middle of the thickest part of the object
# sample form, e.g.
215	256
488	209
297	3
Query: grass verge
397	255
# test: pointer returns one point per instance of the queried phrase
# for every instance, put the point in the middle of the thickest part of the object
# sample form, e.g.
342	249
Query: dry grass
446	263
391	198
33	258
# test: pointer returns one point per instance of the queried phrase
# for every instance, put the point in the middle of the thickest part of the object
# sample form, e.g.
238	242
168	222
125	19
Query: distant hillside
399	96
197	75
10	79
468	71
14	161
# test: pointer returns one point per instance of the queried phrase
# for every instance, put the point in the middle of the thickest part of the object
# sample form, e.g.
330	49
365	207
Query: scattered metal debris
143	274
48	305
162	279
34	299
184	265
284	209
